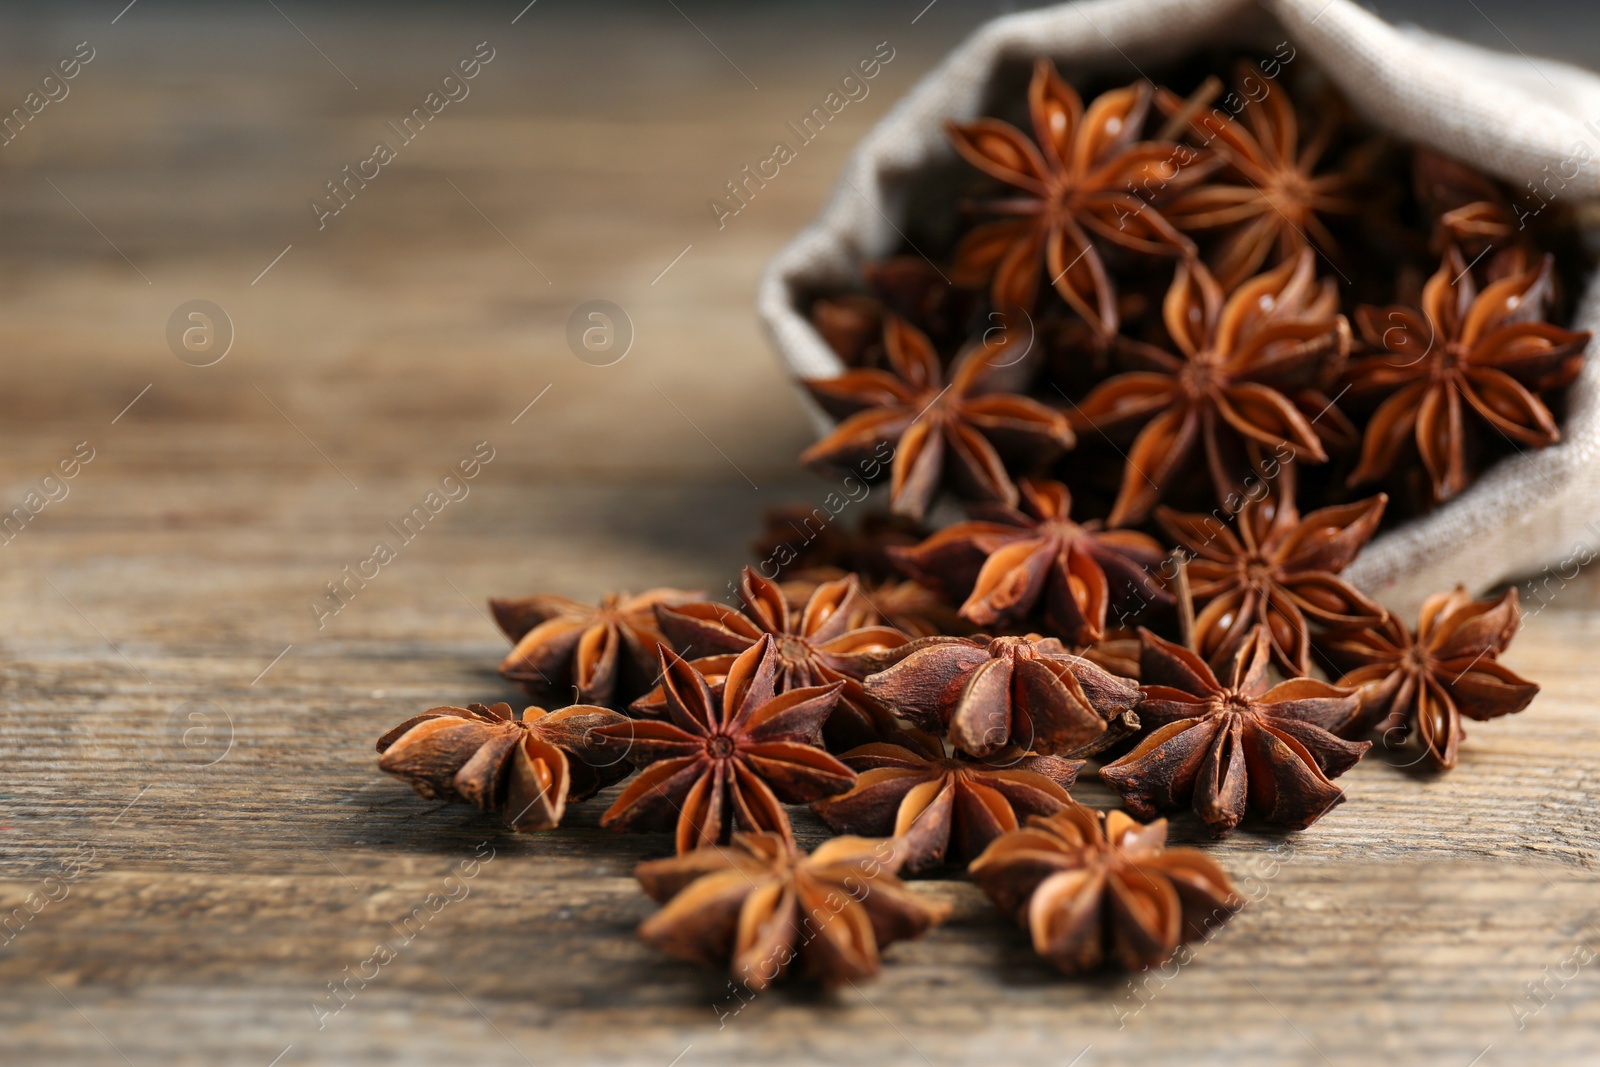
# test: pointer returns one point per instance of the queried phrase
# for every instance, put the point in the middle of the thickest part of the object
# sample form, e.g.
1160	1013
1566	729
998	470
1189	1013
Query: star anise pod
1472	212
942	809
1223	749
1075	186
760	905
952	435
800	538
1418	687
523	769
1247	368
605	654
908	606
818	645
1027	693
725	758
1463	357
1276	198
1093	889
1037	557
1273	570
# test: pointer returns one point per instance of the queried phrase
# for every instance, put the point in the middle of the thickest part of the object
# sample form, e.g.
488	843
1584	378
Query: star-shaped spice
725	758
523	769
938	435
1077	184
1270	197
941	809
820	644
606	654
1224	749
760	905
1027	693
1038	557
1094	889
1415	689
1462	360
1235	394
1271	571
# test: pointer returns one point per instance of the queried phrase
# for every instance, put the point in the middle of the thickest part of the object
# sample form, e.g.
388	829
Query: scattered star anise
1075	185
1249	366
800	538
1223	749
1038	557
760	905
1462	354
605	654
1093	889
1419	687
1472	212
1276	199
940	434
1271	571
522	769
1027	693
941	809
819	644
725	758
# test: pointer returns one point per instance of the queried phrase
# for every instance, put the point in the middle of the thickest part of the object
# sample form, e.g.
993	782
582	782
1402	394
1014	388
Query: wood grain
230	867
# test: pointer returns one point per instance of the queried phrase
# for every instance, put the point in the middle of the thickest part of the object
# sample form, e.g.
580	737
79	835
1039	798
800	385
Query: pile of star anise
1175	338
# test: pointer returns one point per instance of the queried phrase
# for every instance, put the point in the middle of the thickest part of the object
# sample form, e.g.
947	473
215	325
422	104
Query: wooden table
187	753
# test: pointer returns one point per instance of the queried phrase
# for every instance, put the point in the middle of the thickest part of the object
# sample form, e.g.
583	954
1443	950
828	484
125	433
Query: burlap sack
1506	114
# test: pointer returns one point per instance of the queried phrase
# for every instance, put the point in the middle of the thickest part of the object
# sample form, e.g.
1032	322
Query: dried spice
1415	689
940	808
523	769
797	538
1273	198
818	645
1243	392
1075	184
1038	557
1247	745
1272	571
1461	359
761	906
1095	889
605	655
725	758
939	435
1026	693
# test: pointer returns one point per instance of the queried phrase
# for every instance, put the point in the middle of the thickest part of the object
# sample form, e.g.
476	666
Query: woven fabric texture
1506	114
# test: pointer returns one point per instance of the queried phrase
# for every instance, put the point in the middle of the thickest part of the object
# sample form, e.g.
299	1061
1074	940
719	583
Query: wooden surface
227	868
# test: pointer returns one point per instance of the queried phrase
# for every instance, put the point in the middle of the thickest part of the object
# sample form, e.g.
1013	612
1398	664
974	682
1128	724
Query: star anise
523	769
908	606
1027	693
942	809
725	758
760	905
1248	368
818	645
1075	186
605	654
1223	749
1462	354
908	286
1417	688
952	435
1473	213
1037	557
1276	198
1093	889
800	538
1273	570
